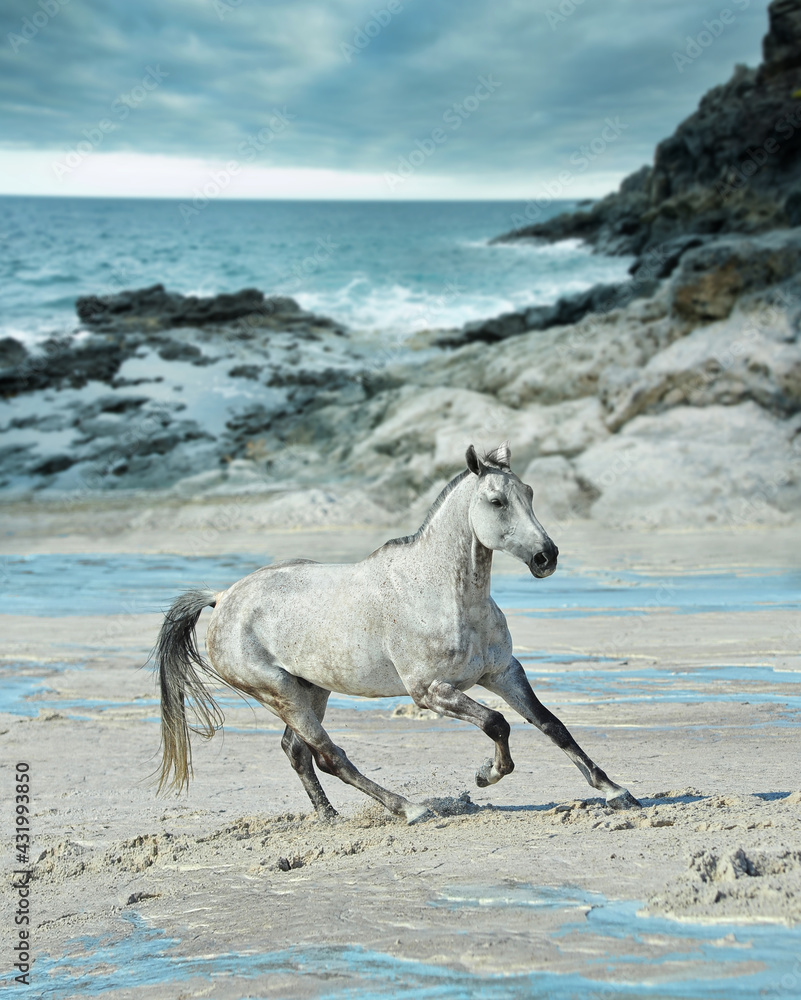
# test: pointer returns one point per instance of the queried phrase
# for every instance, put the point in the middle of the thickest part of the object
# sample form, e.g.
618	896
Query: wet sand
531	887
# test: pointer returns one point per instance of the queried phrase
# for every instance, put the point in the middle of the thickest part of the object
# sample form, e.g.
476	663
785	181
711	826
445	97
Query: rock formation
682	408
731	167
155	308
122	324
76	425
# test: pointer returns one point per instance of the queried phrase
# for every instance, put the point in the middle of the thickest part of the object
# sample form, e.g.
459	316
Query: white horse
413	618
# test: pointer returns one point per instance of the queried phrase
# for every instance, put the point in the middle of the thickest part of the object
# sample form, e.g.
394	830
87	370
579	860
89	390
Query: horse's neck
452	551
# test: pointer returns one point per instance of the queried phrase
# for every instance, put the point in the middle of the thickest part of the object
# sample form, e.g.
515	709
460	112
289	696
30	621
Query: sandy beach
531	887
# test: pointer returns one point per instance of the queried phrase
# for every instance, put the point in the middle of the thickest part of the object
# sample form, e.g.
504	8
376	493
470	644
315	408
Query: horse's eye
496	502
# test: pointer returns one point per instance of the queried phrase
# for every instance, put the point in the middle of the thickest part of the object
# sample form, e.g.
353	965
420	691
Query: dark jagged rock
780	47
53	465
711	278
732	166
155	308
12	352
177	350
670	253
125	322
63	363
568	309
112	403
246	371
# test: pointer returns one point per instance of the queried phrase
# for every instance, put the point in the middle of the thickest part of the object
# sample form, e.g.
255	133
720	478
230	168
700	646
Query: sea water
384	269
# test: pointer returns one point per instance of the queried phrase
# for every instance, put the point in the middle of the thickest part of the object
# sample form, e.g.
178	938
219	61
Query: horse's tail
177	660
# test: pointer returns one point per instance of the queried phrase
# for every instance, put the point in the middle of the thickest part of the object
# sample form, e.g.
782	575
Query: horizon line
333	198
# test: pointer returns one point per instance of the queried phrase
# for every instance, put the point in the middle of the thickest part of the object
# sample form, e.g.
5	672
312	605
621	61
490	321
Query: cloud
361	89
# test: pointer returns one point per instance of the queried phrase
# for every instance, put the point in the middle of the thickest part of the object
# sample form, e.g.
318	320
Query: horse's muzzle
543	563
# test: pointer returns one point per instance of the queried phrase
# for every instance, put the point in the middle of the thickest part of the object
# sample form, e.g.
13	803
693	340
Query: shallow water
23	690
746	684
56	585
59	585
692	961
576	594
20	681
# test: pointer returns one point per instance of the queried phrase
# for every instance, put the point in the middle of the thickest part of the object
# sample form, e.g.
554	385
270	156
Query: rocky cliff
734	166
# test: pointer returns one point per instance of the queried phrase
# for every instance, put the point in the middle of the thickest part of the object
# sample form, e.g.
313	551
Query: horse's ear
473	462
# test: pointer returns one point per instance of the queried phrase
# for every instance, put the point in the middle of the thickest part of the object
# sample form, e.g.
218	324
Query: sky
390	99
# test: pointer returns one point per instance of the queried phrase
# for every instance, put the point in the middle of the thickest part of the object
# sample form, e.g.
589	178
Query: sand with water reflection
529	888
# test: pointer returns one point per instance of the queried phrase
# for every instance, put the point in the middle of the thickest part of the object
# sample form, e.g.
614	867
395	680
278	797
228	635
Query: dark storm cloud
197	78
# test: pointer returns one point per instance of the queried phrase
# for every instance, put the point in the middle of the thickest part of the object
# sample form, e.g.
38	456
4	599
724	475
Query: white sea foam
399	310
33	333
534	247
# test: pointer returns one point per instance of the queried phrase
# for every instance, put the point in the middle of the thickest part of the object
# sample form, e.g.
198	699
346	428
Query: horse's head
501	514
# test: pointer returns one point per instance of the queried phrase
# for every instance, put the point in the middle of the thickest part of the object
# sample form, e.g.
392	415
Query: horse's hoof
623	800
327	814
415	813
484	774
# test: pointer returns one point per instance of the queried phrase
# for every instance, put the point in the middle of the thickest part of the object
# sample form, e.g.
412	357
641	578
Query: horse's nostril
541	560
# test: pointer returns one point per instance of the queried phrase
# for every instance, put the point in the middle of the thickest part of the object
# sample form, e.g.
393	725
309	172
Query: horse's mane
492	458
435	506
498	458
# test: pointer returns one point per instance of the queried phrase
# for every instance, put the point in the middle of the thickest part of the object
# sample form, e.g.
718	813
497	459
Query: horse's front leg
513	686
444	698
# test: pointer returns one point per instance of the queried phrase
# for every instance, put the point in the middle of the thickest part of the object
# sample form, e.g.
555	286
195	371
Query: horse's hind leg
300	757
333	760
442	697
513	686
290	699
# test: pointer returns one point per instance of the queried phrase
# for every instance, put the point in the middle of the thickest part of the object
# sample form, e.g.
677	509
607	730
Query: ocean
384	269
